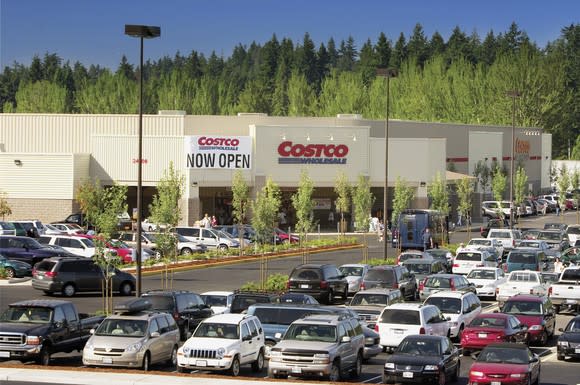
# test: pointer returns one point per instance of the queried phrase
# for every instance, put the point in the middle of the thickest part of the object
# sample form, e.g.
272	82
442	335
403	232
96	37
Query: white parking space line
373	379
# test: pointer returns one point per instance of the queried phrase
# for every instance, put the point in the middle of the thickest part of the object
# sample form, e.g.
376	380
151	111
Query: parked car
329	346
71	275
7	228
34	228
486	280
469	259
555	226
508	237
422	268
67	228
444	255
391	277
488	328
557	239
412	254
536	312
81	246
530	234
26	249
497	359
525	258
368	304
566	291
187	308
444	282
219	301
542	246
322	281
484	243
402	319
285	237
569	341
243	299
14	268
354	273
423	359
491	224
224	342
298	298
133	337
521	282
211	238
573	233
460	308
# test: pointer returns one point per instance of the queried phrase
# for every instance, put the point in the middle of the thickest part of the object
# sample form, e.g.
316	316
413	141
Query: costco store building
45	157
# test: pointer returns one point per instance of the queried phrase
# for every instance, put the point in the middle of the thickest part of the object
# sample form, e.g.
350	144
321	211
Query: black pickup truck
35	329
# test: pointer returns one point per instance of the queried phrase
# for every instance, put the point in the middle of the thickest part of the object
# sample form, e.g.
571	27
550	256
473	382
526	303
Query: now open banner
218	151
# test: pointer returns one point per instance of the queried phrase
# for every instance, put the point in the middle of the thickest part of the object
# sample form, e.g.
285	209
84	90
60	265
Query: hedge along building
45	157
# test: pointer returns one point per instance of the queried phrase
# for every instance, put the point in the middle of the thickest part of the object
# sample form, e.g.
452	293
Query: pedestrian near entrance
459	217
427	239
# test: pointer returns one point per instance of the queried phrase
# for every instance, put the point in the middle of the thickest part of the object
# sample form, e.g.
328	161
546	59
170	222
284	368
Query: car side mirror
345	339
278	336
60	324
92	331
561	330
534	359
247	338
155	335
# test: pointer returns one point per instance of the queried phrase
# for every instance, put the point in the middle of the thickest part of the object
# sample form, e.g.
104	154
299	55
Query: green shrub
275	282
380	261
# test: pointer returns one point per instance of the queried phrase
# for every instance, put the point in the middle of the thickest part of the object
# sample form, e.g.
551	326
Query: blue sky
92	32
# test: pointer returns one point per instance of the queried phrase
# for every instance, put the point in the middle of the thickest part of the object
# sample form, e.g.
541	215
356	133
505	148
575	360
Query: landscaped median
218	258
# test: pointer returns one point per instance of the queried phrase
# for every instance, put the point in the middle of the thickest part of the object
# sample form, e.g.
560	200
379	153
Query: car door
164	343
88	276
59	332
450	356
345	350
549	315
247	343
209	238
520	333
439	322
257	340
155	344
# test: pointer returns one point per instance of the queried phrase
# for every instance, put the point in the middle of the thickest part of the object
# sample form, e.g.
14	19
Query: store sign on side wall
216	151
298	153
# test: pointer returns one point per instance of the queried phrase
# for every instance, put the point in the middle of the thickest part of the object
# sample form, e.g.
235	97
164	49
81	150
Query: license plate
107	360
482	335
407	374
5	354
296	369
304	286
200	363
495	383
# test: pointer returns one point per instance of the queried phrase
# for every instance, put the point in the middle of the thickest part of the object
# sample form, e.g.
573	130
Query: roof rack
134	305
257	291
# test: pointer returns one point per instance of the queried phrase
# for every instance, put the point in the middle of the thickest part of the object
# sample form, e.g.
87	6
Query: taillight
549	291
377	328
456	265
362	285
480	265
422	331
497	291
513	243
323	284
395	285
176	316
50	274
288	284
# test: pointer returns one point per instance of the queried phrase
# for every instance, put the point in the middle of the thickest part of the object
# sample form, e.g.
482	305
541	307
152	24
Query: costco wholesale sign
226	152
297	153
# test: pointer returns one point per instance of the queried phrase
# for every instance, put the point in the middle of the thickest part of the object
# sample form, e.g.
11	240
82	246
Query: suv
322	281
508	237
422	268
70	275
525	258
81	246
536	312
369	303
34	228
186	307
444	282
402	319
224	342
391	277
7	228
319	345
243	299
133	337
460	308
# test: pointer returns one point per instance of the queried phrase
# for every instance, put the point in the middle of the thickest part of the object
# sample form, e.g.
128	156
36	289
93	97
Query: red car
285	237
505	363
536	312
488	328
123	251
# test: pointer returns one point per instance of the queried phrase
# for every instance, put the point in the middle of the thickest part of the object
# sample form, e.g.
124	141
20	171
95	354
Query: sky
92	32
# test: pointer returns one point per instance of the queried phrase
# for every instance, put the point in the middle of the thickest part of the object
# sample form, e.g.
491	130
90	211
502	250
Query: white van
212	238
510	238
468	259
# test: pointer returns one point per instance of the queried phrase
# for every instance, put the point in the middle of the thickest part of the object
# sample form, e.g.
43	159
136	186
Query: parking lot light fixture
514	95
142	32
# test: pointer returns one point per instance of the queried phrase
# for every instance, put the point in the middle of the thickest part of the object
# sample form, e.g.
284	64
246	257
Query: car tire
560	357
329	298
10	273
222	247
44	356
69	290
125	289
146	366
186	251
442	378
357	370
258	365
345	294
543	338
459	333
173	358
334	375
235	368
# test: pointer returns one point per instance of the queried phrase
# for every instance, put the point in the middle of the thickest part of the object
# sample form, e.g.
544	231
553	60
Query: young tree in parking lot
438	192
402	197
498	186
563	183
363	200
342	203
464	193
265	211
520	184
303	205
240	200
4	206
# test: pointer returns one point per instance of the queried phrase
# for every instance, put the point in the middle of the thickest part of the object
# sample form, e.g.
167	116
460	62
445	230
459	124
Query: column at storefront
191	208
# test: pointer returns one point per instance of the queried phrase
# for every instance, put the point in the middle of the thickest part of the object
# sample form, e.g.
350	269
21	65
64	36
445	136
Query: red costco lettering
205	141
312	150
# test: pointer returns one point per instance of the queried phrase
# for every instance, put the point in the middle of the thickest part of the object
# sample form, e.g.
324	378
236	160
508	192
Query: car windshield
438	282
217	330
549	236
490	322
480	242
362	298
308	332
400	316
215	300
418	268
520	257
503	355
40	315
351	271
481	274
122	328
416	347
446	305
573	326
522	307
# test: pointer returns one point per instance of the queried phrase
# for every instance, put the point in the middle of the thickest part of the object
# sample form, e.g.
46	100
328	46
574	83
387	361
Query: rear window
351	271
438	282
380	275
419	268
280	316
44	266
467	256
241	303
527	258
370	299
522	277
571	275
446	305
404	257
161	302
401	316
549	236
500	234
488	322
306	274
573	230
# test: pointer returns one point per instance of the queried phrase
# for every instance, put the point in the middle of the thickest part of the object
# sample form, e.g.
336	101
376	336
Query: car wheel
125	289
345	294
357	370
459	333
543	338
69	290
329	298
222	247
235	368
186	251
10	273
334	375
442	378
173	359
44	356
146	362
560	357
258	365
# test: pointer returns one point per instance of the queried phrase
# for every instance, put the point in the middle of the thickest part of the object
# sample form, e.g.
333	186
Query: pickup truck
521	282
36	329
566	291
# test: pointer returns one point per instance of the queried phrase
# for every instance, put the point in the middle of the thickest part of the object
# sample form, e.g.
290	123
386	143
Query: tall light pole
512	94
142	32
388	73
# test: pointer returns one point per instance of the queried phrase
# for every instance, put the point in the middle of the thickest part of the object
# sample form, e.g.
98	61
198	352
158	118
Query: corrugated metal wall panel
40	176
81	169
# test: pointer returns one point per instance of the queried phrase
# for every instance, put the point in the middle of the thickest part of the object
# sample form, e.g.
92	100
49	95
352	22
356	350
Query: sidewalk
99	377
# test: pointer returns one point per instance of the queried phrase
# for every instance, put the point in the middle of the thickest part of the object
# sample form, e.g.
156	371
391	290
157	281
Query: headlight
536	327
475	373
321	358
220	353
431	367
389	365
518	375
186	350
563	343
275	356
33	340
134	348
89	344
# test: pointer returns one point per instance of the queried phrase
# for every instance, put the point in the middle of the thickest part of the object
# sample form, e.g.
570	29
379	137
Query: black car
186	307
423	359
569	340
391	277
243	299
322	281
25	249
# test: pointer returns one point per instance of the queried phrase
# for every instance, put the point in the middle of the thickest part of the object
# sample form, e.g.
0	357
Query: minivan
391	277
525	258
212	238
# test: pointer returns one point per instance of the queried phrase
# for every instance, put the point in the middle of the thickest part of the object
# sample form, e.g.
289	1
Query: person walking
427	239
